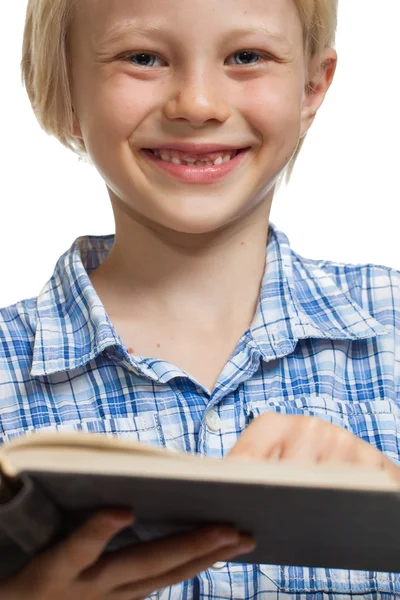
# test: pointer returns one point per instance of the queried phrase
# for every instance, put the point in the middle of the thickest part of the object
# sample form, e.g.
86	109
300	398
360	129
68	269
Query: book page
117	461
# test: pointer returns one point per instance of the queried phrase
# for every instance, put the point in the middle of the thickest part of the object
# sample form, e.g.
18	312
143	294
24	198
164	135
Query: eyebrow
128	28
257	29
125	28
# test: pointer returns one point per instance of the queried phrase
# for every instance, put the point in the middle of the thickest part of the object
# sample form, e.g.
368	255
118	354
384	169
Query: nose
197	99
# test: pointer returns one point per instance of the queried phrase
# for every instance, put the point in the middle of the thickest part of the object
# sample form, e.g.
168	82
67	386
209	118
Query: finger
85	546
369	455
153	559
341	448
184	572
391	468
305	444
263	437
346	447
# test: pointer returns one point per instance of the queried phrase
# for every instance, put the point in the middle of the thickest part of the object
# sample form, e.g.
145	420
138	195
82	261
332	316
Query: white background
343	203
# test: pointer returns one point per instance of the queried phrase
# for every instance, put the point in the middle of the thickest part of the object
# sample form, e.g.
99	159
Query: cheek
273	108
116	108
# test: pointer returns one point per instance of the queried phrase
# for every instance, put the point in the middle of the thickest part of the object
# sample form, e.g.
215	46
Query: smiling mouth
212	159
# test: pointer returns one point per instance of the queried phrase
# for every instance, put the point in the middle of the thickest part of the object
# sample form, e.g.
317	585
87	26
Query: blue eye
148	59
143	59
247	55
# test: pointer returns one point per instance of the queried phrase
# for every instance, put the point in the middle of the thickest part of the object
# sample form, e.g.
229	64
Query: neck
215	277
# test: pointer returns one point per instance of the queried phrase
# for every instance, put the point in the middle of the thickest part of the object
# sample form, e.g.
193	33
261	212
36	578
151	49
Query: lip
197	148
191	174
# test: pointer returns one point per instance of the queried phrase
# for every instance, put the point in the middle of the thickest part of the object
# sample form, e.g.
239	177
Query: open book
314	515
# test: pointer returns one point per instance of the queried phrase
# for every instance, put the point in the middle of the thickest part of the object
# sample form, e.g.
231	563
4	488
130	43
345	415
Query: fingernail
119	519
247	547
245	544
226	538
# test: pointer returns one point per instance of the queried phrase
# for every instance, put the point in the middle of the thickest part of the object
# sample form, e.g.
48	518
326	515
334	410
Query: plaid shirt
325	341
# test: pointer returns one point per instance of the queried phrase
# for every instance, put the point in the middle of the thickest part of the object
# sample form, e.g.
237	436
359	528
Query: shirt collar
298	299
73	327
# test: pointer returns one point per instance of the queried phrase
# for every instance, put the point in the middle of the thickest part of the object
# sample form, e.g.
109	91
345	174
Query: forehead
110	20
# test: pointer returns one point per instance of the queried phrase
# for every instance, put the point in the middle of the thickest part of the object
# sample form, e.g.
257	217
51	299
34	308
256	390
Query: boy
196	327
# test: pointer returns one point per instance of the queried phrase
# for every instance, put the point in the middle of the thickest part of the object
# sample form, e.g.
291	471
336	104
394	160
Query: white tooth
190	159
165	157
156	153
218	161
226	158
176	161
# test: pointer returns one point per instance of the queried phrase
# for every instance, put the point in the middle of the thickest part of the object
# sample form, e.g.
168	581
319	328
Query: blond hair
46	67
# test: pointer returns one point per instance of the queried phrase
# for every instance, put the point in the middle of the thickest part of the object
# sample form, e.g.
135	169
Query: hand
305	439
75	569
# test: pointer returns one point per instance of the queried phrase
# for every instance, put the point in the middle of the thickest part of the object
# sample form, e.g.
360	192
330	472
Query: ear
321	73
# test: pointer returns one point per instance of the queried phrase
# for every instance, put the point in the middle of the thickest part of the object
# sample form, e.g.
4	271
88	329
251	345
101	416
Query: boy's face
184	73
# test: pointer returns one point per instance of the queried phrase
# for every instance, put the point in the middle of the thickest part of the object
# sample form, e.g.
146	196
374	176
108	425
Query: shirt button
219	565
213	421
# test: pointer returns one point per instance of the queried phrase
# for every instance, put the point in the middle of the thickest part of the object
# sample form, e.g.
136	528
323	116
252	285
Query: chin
195	227
195	223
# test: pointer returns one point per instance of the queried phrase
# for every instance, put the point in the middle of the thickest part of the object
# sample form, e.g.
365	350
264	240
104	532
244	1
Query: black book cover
298	526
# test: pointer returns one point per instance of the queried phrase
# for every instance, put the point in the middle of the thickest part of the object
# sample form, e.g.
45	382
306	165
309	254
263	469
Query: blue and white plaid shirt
325	341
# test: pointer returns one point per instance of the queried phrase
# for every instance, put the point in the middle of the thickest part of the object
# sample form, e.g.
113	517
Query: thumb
85	546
